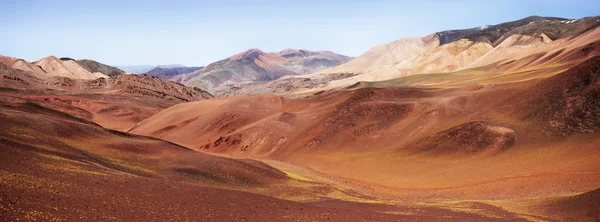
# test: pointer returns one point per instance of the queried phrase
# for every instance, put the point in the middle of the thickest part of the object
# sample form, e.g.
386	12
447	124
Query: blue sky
200	32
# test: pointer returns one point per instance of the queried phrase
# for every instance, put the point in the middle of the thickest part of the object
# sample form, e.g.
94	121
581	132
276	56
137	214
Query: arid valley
494	123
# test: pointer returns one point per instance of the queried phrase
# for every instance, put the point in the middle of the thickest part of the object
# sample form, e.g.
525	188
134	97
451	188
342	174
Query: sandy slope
413	56
473	142
68	68
60	167
19	64
519	58
54	67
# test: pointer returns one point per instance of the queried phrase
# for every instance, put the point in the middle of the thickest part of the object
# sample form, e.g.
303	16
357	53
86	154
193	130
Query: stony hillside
93	66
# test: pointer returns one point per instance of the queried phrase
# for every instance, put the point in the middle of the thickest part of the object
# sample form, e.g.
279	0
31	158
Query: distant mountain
170	66
305	61
455	50
256	65
145	68
488	49
166	73
63	67
136	68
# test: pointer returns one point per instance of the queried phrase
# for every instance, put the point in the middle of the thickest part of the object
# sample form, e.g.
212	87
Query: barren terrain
497	123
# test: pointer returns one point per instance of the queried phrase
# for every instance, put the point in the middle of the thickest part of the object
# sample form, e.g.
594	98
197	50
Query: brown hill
19	64
580	207
141	85
93	66
17	78
116	103
469	138
53	66
145	85
60	167
566	103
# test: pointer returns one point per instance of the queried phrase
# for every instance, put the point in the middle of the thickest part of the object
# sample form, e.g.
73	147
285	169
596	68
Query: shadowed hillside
93	66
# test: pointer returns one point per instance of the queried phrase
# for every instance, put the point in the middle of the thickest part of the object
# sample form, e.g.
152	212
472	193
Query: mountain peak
288	50
495	34
251	53
256	65
50	58
301	53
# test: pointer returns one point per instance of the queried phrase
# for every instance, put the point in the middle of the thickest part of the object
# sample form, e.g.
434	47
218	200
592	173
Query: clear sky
200	32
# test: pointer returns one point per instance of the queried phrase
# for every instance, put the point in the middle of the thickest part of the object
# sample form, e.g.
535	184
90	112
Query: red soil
60	167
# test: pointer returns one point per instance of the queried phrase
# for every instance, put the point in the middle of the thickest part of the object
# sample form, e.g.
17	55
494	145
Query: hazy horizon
198	33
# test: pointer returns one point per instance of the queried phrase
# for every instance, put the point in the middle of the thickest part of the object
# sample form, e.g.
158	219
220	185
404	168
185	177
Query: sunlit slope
471	142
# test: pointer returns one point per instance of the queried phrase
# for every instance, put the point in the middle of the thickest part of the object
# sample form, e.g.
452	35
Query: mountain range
256	65
167	73
144	68
494	48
